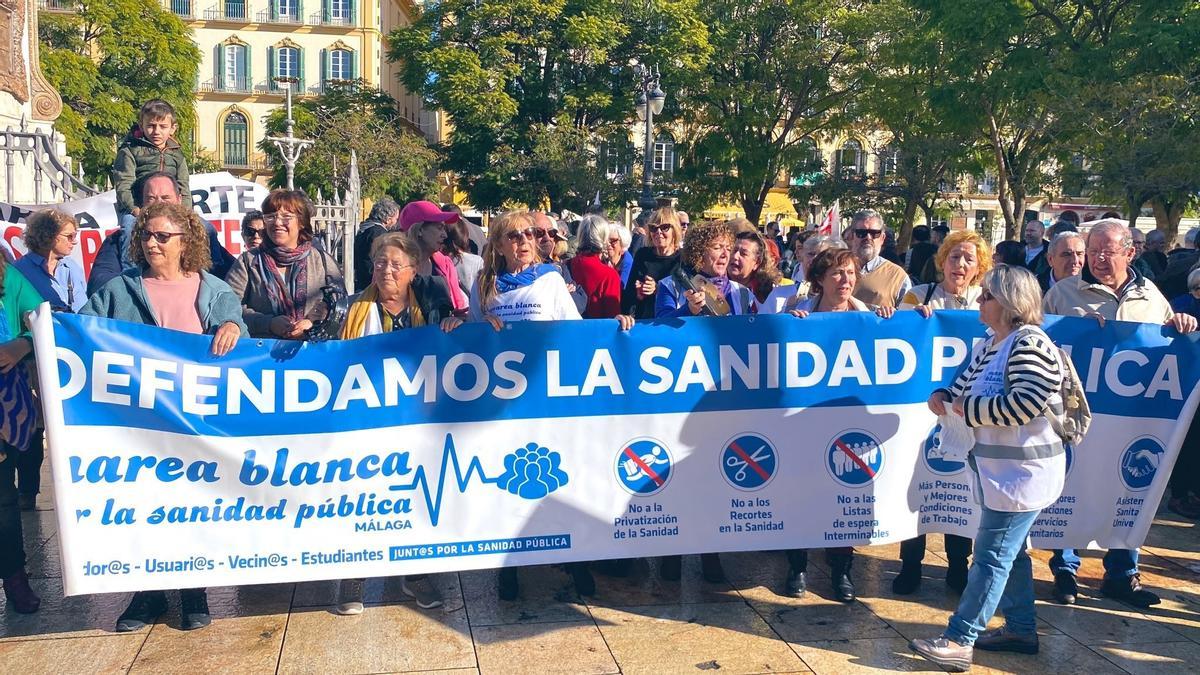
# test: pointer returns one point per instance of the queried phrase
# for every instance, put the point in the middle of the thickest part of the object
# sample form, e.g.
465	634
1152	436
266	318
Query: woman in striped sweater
1005	395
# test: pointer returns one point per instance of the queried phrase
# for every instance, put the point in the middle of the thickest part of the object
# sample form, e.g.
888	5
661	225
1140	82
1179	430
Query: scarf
510	282
18	414
288	296
363	313
721	281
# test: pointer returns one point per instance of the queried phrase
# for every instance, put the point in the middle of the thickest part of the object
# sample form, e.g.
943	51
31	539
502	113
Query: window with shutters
288	9
664	154
235	9
287	62
850	160
237	145
339	11
234	76
341	64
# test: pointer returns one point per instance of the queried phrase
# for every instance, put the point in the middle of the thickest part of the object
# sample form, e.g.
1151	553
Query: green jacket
138	158
124	298
19	297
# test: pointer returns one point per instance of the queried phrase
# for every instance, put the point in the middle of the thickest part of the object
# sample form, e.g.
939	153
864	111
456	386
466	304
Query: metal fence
32	155
336	220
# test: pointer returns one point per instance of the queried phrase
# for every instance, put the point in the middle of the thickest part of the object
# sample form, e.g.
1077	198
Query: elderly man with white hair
1065	257
881	283
1110	289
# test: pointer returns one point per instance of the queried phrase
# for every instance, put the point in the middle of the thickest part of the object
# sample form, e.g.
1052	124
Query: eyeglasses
539	232
660	228
160	237
863	233
1105	255
282	217
69	237
614	241
985	296
390	266
516	236
251	233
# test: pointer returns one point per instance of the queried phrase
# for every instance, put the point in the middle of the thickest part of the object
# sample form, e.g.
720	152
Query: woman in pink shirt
170	287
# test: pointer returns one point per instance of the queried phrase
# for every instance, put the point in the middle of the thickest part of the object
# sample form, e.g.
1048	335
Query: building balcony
228	11
256	162
226	86
65	6
180	8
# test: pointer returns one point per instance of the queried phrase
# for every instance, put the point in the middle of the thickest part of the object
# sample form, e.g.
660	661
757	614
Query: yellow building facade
247	45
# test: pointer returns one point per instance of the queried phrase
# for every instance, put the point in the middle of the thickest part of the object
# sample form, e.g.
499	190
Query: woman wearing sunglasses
169	287
253	230
516	285
280	282
653	263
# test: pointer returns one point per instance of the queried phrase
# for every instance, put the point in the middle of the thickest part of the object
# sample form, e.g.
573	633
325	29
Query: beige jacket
1139	301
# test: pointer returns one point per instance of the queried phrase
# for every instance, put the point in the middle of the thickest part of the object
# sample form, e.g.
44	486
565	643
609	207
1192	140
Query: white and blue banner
419	451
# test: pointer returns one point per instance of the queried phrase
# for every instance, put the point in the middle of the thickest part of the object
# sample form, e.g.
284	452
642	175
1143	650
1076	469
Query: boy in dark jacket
150	147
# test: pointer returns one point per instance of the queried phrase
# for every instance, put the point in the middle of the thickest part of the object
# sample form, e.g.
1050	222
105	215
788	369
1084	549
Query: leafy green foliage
349	117
781	73
105	60
522	79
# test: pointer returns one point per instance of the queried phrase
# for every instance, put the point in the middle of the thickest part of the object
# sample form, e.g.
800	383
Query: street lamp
289	146
650	102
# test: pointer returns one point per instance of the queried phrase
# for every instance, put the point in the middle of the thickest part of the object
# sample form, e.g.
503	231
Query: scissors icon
740	464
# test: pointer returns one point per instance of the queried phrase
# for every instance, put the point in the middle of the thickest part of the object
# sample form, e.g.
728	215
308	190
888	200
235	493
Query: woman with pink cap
425	222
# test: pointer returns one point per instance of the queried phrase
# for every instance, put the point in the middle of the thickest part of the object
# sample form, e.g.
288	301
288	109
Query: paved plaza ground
633	625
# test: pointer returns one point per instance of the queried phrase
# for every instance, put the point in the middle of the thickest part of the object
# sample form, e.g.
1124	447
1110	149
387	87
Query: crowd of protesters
426	265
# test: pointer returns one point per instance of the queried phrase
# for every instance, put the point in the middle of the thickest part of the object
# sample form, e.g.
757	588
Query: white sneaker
423	591
350	595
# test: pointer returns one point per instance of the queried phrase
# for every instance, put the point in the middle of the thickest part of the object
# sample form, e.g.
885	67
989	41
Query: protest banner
219	198
417	452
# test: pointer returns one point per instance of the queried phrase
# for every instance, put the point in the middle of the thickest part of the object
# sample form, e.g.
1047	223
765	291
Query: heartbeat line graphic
449	459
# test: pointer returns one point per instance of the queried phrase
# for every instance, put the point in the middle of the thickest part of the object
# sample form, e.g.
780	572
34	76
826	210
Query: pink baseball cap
424	212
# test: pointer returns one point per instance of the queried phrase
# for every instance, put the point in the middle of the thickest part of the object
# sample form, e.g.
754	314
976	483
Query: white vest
1019	468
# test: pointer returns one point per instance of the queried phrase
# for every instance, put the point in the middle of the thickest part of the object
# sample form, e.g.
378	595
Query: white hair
592	234
1105	225
1018	292
827	240
1061	239
1190	239
1193	278
621	231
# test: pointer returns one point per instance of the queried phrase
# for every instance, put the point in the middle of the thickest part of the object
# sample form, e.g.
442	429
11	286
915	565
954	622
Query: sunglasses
660	228
516	236
254	233
539	232
160	237
863	233
985	296
70	237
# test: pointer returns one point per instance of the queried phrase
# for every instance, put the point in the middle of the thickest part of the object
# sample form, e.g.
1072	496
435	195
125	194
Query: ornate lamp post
289	146
649	103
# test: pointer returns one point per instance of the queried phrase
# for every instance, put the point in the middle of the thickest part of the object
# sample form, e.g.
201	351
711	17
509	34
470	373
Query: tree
780	73
927	134
352	117
1136	92
509	72
106	59
1003	58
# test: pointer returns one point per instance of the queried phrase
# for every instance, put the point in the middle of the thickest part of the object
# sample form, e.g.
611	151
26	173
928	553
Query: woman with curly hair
169	287
280	282
706	252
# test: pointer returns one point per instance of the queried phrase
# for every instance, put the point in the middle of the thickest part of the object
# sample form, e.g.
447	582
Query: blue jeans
126	221
1001	576
1118	562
